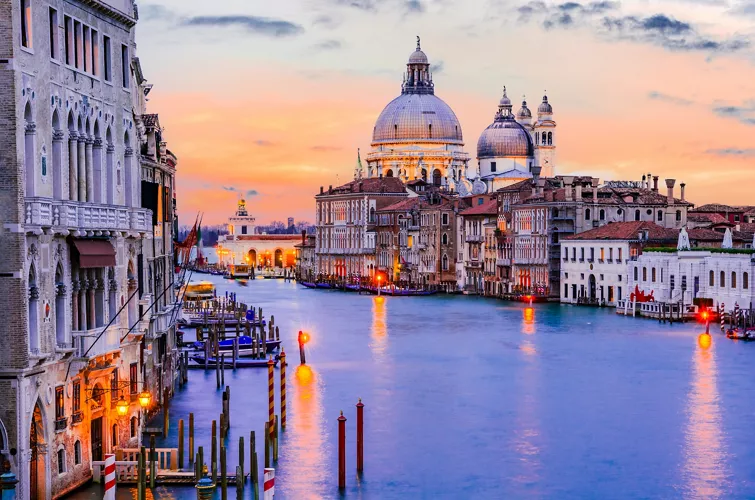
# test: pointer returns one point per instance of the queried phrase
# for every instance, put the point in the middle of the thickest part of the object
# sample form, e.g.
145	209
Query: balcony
77	417
82	216
89	346
472	263
61	424
503	262
474	238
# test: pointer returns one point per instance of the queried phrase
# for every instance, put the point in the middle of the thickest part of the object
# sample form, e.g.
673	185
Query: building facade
345	219
474	221
81	261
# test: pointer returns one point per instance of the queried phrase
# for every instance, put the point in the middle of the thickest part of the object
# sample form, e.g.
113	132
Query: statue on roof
683	243
727	243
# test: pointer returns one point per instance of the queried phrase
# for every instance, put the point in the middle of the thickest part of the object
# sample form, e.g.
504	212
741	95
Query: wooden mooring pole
341	452
360	436
191	437
181	444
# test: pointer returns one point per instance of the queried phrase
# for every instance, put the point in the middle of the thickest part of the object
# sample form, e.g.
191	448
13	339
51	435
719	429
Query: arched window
430	130
128	154
77	452
389	173
722	281
109	173
745	280
33	311
644	274
652	274
445	262
60	307
678	215
602	214
587	214
711	278
537	138
29	151
544	136
550	138
444	239
436	178
636	215
660	215
61	460
134	425
97	164
733	279
635	273
423	173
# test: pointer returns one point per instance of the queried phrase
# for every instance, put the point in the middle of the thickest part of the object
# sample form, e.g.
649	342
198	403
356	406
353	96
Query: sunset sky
271	99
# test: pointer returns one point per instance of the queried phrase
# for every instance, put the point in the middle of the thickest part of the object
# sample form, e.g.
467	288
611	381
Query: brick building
82	264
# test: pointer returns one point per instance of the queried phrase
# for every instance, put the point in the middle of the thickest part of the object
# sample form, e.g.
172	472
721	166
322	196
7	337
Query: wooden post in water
191	437
341	452
181	444
228	407
141	476
200	463
152	468
275	440
252	451
214	452
360	436
255	474
235	351
239	483
166	419
222	370
267	444
270	394
283	389
207	352
241	458
223	477
277	334
217	371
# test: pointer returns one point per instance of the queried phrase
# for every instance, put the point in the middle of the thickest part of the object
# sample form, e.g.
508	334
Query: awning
95	253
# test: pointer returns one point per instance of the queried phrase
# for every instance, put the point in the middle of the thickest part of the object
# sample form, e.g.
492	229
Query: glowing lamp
704	315
303	338
122	407
704	340
144	398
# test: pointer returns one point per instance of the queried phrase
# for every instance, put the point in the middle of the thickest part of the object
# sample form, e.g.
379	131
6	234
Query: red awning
95	253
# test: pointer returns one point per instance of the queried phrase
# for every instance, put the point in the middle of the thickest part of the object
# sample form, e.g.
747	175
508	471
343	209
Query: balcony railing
474	238
503	262
90	346
77	417
66	214
61	423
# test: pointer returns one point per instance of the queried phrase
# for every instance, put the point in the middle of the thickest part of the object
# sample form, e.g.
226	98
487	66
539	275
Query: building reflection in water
705	468
379	341
305	444
527	423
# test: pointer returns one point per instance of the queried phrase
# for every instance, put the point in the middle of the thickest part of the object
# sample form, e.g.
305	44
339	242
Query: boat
327	286
199	290
245	345
352	288
747	334
240	363
307	284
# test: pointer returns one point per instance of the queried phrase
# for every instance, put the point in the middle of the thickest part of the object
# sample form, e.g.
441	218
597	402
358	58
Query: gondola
745	335
307	284
326	286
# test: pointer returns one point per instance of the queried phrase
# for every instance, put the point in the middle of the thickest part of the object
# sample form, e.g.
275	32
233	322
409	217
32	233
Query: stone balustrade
75	215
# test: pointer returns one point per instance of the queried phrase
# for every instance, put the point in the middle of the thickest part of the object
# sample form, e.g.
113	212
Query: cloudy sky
271	99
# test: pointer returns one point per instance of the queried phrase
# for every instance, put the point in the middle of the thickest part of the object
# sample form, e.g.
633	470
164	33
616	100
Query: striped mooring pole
737	314
109	477
283	389
271	394
721	316
269	484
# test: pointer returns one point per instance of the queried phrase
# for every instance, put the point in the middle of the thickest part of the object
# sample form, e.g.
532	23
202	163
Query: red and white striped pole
269	488
109	477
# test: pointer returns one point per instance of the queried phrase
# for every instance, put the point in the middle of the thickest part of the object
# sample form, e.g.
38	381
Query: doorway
37	463
96	439
592	288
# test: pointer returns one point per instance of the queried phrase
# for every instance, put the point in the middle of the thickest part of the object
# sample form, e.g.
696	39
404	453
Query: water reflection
379	329
705	464
306	444
527	424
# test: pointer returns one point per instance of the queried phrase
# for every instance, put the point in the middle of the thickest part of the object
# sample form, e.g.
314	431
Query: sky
269	100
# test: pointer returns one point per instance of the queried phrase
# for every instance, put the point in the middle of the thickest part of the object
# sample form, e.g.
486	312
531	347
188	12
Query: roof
488	208
627	231
710	217
371	185
403	205
268	237
717	207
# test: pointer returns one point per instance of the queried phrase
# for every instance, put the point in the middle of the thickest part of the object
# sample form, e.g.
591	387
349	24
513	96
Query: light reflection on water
379	328
705	465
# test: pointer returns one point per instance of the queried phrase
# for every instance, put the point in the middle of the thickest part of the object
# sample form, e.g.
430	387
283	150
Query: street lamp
122	407
144	398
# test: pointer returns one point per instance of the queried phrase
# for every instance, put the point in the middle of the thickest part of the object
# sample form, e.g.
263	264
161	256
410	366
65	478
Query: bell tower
544	135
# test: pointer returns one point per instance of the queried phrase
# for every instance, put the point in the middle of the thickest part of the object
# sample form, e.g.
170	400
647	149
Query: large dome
417	117
504	138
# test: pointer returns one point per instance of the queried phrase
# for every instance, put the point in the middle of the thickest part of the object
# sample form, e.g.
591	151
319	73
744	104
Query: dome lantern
545	108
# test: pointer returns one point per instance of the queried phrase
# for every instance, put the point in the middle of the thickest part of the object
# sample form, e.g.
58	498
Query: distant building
484	211
306	257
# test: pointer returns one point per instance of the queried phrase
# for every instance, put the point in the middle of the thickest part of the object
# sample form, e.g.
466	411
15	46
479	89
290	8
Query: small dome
524	112
418	57
504	138
505	101
479	187
545	107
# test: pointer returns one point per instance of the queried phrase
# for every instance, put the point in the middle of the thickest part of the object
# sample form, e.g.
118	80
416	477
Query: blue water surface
467	397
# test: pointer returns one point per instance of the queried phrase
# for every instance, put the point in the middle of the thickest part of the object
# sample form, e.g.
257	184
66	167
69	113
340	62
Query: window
636	215
61	461
54	49
592	254
86	48
76	401
26	23
444	262
444	239
733	279
587	214
635	273
745	281
711	278
678	215
619	249
68	38
60	410
107	66
644	274
445	219
602	214
581	254
722	281
652	275
243	229
132	380
736	218
550	138
492	166
125	66
133	426
602	253
77	452
480	201
566	290
660	215
77	44
95	58
114	387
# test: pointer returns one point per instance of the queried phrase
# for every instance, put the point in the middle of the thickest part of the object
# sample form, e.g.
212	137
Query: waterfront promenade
469	397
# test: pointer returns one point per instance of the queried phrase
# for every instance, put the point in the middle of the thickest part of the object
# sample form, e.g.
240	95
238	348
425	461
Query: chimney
535	178
682	186
595	181
568	180
330	189
578	196
540	186
670	186
655	183
303	237
320	189
648	184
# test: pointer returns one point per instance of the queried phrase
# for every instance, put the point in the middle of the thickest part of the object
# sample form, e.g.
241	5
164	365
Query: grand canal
468	397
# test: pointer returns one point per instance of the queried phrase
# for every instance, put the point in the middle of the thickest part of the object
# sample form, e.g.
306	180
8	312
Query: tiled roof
716	207
711	217
268	237
487	208
408	204
371	185
627	231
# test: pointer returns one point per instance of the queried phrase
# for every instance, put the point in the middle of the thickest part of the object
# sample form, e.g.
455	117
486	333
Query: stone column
127	167
30	156
109	175
57	166
97	164
75	306
73	169
92	317
82	187
89	169
83	304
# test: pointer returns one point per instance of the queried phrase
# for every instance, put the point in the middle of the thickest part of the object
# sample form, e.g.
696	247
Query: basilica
418	136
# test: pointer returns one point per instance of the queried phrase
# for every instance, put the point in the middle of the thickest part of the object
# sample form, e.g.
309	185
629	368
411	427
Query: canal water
467	397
